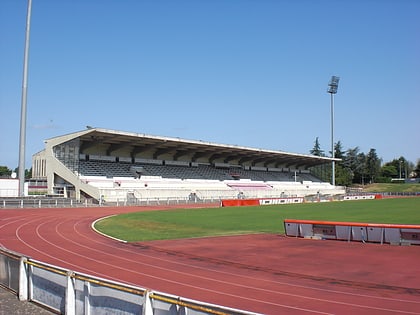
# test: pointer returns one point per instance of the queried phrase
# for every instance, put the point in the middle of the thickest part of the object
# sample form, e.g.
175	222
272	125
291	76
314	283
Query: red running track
263	273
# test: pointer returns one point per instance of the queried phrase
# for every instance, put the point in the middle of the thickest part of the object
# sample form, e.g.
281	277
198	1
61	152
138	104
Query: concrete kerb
103	234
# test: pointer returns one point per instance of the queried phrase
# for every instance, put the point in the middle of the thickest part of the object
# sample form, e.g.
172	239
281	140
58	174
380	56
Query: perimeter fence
67	292
59	202
44	202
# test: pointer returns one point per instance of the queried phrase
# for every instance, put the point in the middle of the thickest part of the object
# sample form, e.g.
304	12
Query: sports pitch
190	223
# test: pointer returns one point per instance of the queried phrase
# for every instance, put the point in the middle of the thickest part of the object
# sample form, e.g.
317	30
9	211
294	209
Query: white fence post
23	279
148	308
70	295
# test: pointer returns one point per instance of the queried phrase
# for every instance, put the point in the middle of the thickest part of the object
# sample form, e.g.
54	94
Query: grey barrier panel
343	232
92	298
14	274
392	235
195	312
325	231
48	288
375	234
411	235
359	233
4	271
164	308
168	308
9	272
305	230
106	300
292	229
166	304
81	302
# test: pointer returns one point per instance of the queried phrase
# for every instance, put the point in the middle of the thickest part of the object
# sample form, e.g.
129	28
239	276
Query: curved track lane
269	274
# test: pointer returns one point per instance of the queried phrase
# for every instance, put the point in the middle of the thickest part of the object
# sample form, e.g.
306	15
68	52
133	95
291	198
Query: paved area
10	304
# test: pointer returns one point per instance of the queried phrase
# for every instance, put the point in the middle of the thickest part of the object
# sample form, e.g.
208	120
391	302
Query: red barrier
260	201
240	202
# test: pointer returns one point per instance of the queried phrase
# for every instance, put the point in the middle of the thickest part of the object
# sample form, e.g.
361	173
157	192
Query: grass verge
187	223
392	187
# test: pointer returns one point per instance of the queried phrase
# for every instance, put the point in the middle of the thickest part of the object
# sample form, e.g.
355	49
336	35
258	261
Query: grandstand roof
96	139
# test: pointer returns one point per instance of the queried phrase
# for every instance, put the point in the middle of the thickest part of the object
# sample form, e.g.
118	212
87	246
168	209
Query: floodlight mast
22	139
332	89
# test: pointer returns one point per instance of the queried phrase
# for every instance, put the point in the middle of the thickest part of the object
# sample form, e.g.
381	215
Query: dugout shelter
120	166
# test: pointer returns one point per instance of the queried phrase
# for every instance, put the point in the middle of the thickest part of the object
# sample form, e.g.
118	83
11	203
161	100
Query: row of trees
361	168
6	172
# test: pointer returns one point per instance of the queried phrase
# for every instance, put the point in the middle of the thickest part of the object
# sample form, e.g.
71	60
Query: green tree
373	165
355	163
316	150
323	172
389	171
5	171
343	175
394	168
350	159
28	173
338	150
416	171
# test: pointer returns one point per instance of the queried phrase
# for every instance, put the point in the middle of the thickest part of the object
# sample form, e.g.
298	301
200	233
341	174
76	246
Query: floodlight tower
332	89
22	139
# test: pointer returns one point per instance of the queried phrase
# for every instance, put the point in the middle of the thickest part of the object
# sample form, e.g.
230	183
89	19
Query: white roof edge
143	135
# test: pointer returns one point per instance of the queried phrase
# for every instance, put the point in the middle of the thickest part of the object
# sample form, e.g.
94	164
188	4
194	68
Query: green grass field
392	187
187	223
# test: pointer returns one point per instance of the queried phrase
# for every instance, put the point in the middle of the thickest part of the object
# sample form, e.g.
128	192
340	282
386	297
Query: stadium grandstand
120	167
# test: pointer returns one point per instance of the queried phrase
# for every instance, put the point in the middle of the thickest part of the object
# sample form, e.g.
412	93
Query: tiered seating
262	175
157	181
182	172
204	172
309	177
104	168
209	172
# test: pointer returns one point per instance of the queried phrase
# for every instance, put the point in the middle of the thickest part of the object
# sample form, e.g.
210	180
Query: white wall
9	187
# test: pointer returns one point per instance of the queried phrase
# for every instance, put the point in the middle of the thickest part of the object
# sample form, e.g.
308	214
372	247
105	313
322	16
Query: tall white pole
333	86
332	140
22	140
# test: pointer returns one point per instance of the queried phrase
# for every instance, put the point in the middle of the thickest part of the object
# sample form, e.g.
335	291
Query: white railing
43	202
67	292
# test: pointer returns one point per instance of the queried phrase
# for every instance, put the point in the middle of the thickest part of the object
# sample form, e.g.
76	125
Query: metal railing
42	202
67	292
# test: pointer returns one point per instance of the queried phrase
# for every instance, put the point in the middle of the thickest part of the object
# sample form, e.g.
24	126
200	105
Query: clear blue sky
240	72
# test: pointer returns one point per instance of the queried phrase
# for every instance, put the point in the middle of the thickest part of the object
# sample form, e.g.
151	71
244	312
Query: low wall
396	234
66	292
260	201
362	197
